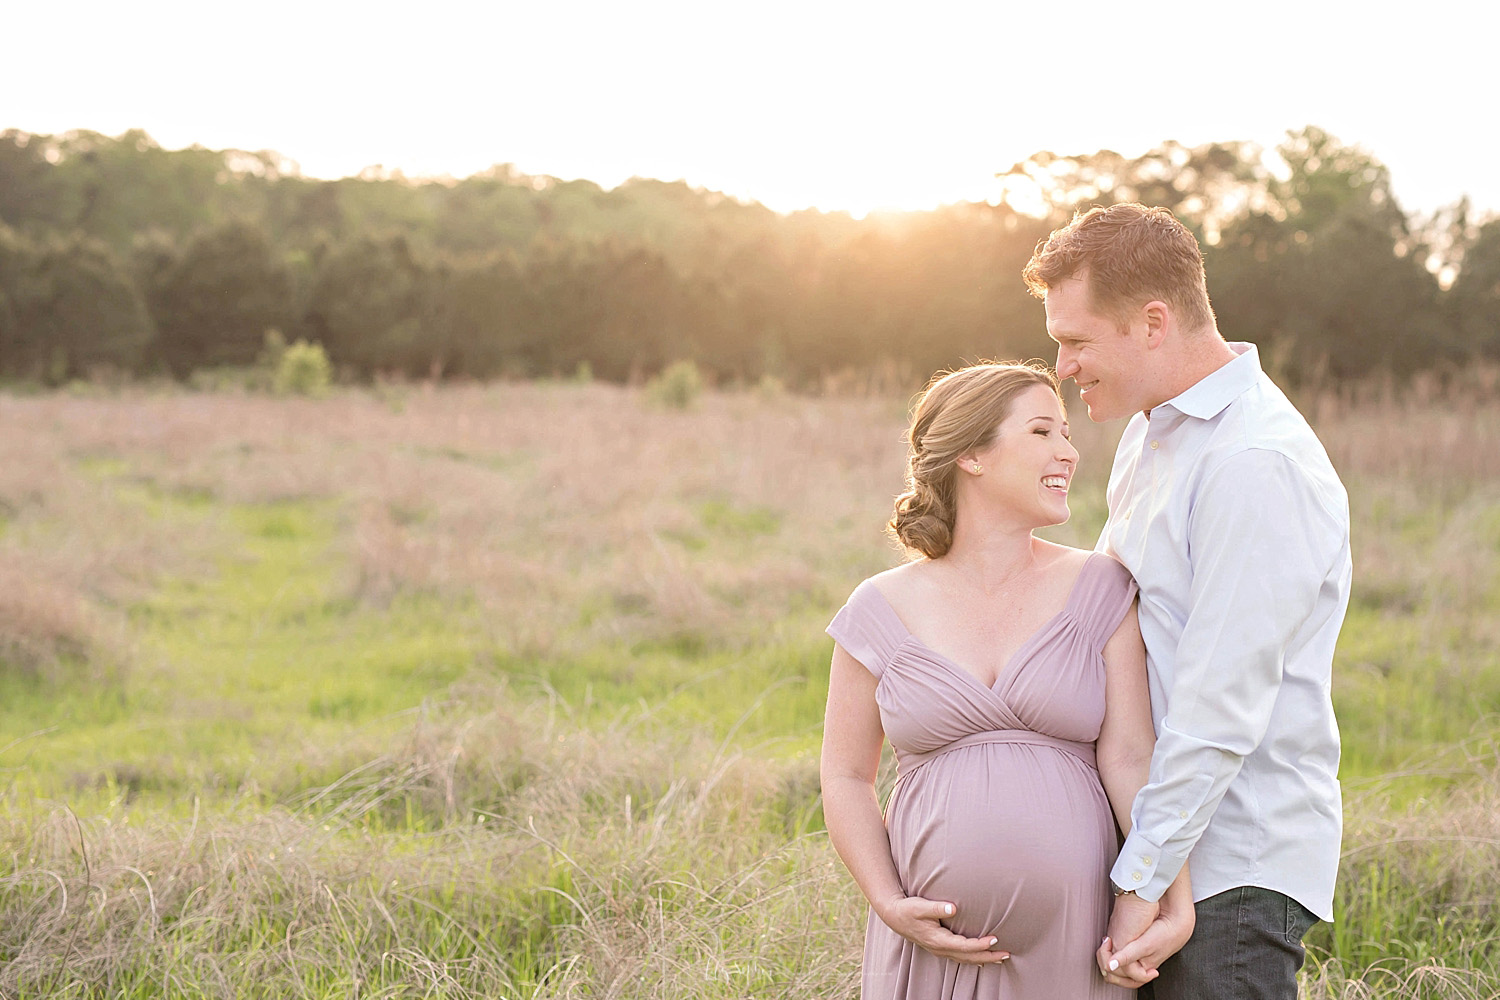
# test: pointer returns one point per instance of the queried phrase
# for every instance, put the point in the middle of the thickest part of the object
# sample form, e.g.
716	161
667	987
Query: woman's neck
990	558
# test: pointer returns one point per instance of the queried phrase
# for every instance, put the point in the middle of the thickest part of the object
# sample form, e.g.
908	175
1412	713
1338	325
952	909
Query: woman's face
1028	467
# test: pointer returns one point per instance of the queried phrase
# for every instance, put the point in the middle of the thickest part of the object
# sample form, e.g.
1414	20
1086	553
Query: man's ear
1158	318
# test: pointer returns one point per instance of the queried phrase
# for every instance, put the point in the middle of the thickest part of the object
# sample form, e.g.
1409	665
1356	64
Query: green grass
292	786
232	670
249	680
262	689
1406	699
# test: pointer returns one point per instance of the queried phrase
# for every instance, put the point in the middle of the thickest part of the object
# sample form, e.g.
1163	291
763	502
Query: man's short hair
1130	255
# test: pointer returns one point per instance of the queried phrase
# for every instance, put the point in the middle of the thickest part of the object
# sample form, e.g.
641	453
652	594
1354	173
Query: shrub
677	387
303	370
770	387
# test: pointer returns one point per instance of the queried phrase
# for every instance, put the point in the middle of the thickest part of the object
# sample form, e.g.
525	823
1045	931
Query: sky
833	105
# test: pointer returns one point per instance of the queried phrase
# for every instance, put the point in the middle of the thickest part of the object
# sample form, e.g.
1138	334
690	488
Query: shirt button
1155	445
1182	815
1145	859
1135	876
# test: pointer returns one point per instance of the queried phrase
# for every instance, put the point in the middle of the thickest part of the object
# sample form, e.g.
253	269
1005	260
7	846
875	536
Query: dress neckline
1010	661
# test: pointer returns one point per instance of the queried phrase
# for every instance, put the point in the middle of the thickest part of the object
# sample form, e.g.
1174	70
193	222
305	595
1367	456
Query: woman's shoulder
1069	559
875	593
1112	569
1103	591
920	583
899	579
1064	560
867	626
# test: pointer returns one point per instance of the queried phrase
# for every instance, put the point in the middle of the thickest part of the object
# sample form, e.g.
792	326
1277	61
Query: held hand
1139	960
919	921
1132	917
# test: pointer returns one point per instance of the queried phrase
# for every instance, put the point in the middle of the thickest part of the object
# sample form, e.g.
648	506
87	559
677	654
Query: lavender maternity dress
997	805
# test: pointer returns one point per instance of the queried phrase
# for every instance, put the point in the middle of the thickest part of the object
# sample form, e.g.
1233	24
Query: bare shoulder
911	585
1064	560
904	580
1069	561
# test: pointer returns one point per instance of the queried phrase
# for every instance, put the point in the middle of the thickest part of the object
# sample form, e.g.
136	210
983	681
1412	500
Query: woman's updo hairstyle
956	414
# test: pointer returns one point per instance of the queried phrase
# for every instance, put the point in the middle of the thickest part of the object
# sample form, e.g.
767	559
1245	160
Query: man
1225	507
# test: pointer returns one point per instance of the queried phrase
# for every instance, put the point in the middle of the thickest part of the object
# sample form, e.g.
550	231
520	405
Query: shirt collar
1207	397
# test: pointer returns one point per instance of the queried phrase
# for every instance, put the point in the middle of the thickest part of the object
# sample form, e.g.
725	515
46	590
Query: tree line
117	256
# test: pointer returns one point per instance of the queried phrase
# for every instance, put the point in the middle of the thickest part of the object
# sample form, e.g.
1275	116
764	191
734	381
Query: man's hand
1136	962
1131	918
919	921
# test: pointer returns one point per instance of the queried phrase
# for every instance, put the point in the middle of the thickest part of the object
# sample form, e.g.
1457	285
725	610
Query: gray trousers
1247	945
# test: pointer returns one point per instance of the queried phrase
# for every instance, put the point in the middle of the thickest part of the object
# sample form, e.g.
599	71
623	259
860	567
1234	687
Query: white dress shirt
1225	507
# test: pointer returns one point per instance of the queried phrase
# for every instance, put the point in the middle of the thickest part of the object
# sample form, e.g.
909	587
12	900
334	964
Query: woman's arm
852	737
1126	740
1135	964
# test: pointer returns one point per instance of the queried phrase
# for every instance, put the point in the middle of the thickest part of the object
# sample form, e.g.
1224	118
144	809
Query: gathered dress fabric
997	806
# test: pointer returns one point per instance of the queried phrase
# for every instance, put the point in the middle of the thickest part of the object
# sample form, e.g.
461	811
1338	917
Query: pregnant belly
1018	838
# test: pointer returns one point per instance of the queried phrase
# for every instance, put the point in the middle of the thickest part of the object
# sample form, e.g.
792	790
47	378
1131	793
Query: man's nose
1067	366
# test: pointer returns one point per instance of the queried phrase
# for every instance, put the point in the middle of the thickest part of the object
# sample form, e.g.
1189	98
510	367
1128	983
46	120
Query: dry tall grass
499	846
560	862
560	506
545	504
74	551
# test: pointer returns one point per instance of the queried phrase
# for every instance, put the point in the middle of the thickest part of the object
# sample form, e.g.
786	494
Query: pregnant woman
1009	675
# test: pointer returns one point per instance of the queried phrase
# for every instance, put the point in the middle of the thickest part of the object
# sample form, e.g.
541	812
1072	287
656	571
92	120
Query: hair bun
956	414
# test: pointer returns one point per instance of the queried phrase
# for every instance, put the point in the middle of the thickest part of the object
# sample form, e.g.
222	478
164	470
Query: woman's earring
978	468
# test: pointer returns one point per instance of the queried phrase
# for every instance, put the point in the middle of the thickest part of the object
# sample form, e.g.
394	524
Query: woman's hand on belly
920	922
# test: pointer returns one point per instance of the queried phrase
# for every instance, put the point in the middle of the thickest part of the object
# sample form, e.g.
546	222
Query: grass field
516	691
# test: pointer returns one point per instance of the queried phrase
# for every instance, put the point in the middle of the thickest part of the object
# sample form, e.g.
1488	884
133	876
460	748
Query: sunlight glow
831	105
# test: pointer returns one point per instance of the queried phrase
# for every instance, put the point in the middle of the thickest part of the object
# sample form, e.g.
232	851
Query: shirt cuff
1145	868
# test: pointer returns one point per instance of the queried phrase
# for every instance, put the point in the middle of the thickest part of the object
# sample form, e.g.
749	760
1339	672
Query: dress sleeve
867	628
1111	591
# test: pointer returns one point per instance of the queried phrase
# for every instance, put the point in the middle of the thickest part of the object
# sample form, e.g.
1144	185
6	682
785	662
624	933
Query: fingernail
994	941
1105	941
948	909
1113	965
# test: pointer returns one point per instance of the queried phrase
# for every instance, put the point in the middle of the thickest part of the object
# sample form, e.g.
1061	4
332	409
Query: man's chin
1098	414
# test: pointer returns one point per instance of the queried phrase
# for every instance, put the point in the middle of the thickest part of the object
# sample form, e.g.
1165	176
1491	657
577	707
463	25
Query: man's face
1110	365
